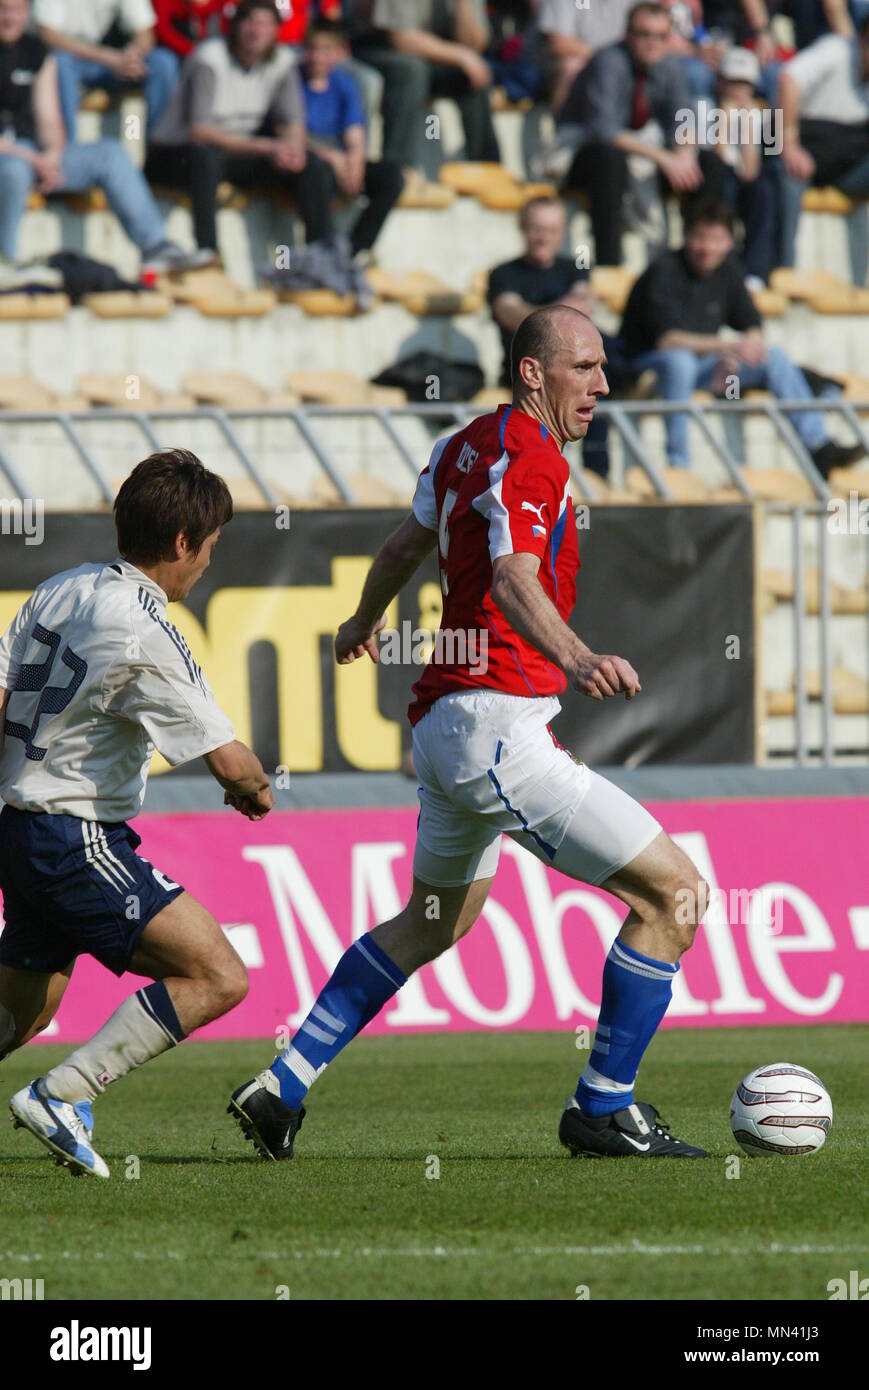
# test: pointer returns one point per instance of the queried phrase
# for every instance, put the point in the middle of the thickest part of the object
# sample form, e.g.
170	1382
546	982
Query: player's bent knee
228	986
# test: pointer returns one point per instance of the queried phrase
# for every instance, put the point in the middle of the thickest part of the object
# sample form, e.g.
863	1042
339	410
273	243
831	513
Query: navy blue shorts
73	887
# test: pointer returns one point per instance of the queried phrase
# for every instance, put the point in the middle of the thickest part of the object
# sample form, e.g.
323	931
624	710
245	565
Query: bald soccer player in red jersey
495	500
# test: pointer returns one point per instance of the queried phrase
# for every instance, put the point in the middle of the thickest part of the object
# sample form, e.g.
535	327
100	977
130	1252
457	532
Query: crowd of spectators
279	95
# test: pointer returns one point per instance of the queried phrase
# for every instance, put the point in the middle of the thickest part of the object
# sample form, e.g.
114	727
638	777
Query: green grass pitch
511	1214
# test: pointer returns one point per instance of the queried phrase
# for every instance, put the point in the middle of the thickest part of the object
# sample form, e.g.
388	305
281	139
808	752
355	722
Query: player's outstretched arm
243	778
517	592
398	558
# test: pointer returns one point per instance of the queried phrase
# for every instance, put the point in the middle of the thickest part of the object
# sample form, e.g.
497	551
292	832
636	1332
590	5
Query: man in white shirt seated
824	101
109	44
93	677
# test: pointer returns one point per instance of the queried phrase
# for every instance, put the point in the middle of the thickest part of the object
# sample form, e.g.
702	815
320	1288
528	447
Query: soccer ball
781	1109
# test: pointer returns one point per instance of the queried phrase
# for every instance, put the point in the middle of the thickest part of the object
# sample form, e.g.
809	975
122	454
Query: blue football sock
636	992
361	983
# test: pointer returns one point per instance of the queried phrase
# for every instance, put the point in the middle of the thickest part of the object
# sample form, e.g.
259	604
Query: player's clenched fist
600	676
255	805
354	640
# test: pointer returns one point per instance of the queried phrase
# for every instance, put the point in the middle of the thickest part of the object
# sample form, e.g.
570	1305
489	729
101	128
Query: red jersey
498	487
181	24
297	15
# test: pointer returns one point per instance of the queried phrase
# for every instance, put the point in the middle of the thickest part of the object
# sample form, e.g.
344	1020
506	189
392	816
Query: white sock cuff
661	970
298	1065
603	1083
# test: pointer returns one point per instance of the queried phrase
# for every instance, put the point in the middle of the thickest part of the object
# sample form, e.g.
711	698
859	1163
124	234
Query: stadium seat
780	703
500	101
844	481
779	584
101	388
99	100
24	393
228	389
850	690
612	285
769	303
91	200
228	196
777	485
855	386
805	284
685	485
490	397
422	293
827	200
321	303
422	193
33	306
127	304
493	185
371	491
230	301
329	387
194	284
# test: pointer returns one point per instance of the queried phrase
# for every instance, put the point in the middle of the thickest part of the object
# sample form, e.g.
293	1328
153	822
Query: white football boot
61	1127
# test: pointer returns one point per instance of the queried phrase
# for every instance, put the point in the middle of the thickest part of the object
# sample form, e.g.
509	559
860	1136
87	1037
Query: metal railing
623	416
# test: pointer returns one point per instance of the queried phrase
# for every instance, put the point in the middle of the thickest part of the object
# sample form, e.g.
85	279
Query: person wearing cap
739	169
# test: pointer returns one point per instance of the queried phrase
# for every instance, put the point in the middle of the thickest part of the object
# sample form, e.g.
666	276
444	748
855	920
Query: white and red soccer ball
781	1109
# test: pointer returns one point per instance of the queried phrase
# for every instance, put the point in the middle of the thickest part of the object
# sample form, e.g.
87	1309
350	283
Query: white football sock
133	1035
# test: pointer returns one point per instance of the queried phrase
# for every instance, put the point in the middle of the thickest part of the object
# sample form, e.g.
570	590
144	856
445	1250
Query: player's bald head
544	334
558	363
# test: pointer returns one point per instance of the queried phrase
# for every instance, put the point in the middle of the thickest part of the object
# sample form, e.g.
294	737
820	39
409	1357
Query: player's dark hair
863	28
167	493
648	7
246	8
707	212
330	28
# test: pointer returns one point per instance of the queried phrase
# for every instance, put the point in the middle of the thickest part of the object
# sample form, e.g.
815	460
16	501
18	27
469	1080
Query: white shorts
488	765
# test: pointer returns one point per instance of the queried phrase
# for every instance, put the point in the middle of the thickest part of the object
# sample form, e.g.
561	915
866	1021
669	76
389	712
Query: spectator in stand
182	24
336	132
812	19
513	53
672	325
239	114
540	276
691	44
35	151
747	23
297	16
741	174
105	43
425	49
572	34
824	101
625	102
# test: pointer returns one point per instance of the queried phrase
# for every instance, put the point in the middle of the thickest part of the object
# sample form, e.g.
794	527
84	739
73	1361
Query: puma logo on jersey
538	511
467	458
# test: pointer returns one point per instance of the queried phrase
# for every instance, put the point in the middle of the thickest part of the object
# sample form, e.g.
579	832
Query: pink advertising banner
786	938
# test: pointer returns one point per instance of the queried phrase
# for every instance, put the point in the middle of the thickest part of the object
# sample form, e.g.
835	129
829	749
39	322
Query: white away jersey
98	676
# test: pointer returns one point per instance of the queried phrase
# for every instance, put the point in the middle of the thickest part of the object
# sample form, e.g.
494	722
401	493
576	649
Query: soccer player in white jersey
495	500
93	676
